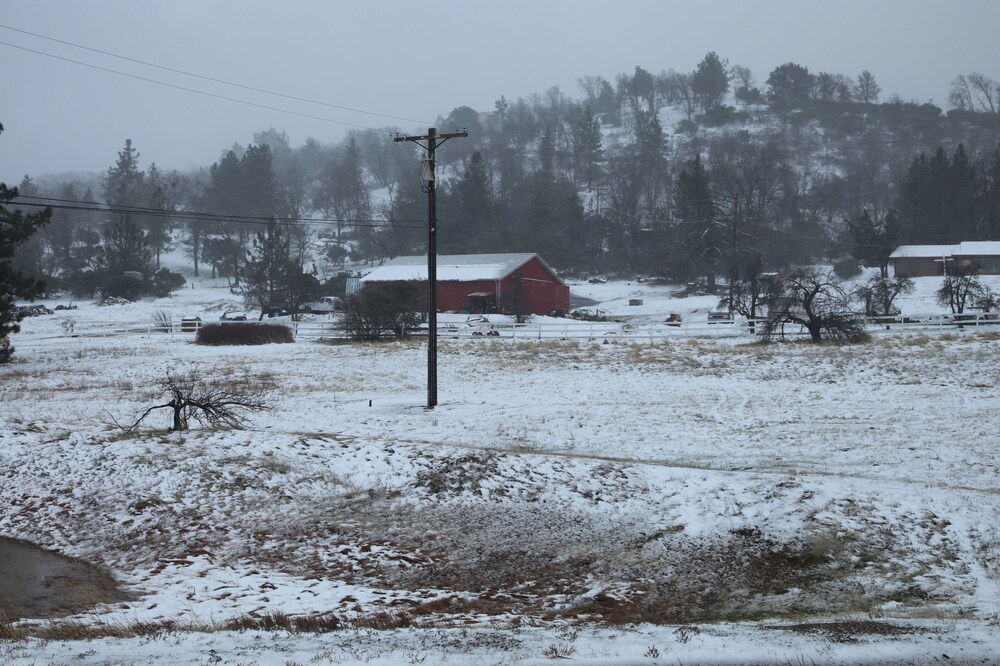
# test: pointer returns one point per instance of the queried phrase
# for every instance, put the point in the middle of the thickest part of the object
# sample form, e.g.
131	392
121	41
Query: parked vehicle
325	305
276	311
233	315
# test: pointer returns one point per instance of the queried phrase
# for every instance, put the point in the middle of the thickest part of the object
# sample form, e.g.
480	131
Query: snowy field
688	501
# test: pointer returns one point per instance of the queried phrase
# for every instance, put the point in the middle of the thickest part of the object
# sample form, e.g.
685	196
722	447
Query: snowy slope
570	486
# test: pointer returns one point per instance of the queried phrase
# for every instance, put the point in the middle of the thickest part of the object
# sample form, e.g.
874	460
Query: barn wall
455	295
539	292
534	288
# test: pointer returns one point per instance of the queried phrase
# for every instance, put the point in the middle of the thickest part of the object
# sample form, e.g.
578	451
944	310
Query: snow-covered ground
690	501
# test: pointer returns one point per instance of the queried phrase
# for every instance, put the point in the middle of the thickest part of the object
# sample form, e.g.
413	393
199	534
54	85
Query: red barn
514	283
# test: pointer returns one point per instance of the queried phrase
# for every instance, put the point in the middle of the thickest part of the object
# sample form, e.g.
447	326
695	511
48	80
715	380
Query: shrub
243	333
845	269
686	127
123	286
164	282
130	287
720	115
381	312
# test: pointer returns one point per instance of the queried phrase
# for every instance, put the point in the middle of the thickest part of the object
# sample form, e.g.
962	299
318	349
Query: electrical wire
369	223
194	90
212	79
68	204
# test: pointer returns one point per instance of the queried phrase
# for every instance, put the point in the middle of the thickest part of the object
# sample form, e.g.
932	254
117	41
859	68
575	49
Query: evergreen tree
789	85
989	198
695	209
65	234
875	241
124	183
268	273
342	192
710	81
547	154
587	150
937	199
258	186
157	225
638	90
16	228
650	147
241	187
124	248
470	205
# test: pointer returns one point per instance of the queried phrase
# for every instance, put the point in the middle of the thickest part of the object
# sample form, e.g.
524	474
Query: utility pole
733	270
427	175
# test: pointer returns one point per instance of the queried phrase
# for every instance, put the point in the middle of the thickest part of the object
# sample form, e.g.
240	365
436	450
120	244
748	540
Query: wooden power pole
427	175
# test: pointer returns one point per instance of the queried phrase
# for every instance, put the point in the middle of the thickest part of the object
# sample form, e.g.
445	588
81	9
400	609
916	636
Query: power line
212	79
192	90
68	204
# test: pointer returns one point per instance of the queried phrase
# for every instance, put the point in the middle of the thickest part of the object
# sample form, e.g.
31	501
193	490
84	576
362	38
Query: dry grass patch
846	631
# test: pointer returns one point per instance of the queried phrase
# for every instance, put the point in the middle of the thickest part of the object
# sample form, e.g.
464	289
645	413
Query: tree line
691	176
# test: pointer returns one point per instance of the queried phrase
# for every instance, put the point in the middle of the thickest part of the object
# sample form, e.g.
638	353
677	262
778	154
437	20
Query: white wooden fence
569	329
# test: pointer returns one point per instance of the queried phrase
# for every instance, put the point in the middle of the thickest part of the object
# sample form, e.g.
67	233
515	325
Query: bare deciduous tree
879	293
815	300
213	403
959	290
750	290
866	90
975	92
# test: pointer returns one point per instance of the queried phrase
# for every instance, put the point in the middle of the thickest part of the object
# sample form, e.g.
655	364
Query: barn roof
454	267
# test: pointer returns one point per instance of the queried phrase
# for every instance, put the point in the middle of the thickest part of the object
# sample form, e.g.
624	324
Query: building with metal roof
517	283
982	257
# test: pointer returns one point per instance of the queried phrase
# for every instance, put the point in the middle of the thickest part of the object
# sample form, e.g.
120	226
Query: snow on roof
965	248
923	251
451	267
978	248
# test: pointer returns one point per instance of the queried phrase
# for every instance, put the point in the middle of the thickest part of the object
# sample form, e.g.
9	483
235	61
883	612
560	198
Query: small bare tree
815	300
750	291
212	403
879	294
960	289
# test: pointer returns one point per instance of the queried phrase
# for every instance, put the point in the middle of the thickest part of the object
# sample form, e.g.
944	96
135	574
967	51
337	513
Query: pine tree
710	81
268	271
124	182
16	228
124	248
157	225
587	150
470	204
875	240
694	208
937	199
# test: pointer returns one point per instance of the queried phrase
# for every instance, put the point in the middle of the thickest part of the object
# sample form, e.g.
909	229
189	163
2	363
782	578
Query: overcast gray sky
415	60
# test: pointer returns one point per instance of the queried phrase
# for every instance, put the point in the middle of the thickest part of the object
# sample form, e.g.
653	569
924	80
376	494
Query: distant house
927	260
516	283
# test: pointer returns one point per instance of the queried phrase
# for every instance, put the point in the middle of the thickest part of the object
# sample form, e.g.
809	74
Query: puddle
37	583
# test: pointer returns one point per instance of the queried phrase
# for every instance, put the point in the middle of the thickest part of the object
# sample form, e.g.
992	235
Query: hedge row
243	333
